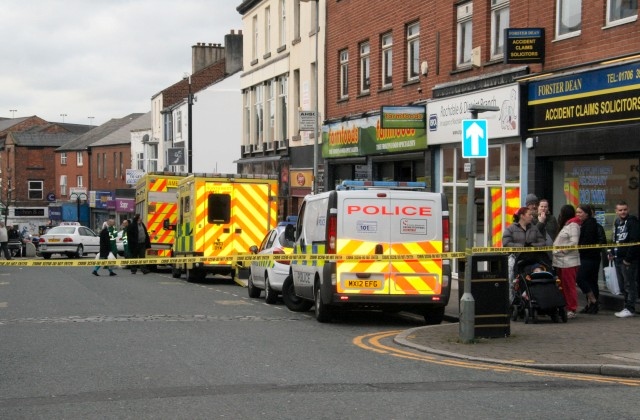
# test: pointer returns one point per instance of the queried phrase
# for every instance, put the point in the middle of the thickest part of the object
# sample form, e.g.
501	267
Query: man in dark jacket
138	241
626	229
105	247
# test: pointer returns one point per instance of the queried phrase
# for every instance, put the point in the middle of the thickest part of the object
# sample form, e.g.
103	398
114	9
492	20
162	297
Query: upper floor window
254	47
568	18
365	75
413	51
140	161
387	59
63	158
36	190
267	30
283	102
259	120
179	123
247	116
271	110
621	11
79	181
79	159
499	22
344	74
464	39
283	22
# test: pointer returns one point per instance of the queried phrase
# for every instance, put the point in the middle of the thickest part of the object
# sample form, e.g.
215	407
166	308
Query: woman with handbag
589	259
106	247
567	261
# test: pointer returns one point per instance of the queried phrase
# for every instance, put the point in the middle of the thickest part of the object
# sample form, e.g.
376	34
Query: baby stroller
536	291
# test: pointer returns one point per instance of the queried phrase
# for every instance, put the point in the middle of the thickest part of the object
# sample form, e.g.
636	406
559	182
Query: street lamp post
78	197
467	303
189	129
90	120
63	115
315	106
13	112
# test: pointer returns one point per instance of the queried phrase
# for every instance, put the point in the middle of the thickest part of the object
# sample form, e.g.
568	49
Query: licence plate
363	284
54	240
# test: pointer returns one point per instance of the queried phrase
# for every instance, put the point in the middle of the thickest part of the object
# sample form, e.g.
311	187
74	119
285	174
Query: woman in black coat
587	277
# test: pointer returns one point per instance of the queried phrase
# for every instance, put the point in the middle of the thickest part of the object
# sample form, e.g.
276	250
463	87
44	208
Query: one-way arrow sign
475	139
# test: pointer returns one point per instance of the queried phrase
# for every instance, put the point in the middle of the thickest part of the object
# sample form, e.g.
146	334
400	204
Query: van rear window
219	209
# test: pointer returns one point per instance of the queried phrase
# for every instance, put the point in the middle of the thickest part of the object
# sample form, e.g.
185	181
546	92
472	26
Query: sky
100	58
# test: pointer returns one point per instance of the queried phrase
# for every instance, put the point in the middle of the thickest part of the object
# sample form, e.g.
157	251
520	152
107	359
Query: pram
536	291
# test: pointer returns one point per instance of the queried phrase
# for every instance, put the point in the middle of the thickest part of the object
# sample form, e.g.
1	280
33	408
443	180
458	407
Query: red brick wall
72	171
107	181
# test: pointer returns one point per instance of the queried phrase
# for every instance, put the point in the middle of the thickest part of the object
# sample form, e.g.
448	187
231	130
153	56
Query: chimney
204	55
233	52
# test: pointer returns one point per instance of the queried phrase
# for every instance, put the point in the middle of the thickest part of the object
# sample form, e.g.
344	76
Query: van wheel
176	272
323	312
433	316
291	300
195	275
254	292
270	295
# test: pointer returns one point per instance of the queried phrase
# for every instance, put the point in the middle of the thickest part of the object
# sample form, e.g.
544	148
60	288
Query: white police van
401	226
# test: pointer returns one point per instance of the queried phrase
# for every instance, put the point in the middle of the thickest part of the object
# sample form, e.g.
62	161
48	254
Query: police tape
234	260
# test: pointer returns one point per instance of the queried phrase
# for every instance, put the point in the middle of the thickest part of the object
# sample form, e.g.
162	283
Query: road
76	346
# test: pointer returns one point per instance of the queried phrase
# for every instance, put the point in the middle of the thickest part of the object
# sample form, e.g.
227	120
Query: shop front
361	149
498	176
585	130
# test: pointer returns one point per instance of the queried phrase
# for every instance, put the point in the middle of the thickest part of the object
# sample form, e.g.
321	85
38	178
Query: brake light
281	252
445	234
41	240
332	233
67	240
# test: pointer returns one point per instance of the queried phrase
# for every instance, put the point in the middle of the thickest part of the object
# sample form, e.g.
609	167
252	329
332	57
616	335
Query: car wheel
46	256
291	300
433	316
79	251
323	312
270	295
254	292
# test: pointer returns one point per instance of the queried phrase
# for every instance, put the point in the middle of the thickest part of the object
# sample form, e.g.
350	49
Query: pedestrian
567	261
139	242
522	233
626	229
4	241
546	222
125	238
531	202
105	247
587	277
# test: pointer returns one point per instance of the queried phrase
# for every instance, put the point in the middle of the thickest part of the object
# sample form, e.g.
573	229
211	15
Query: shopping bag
611	279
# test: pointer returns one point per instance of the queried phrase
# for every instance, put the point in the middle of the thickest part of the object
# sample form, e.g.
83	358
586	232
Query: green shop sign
364	136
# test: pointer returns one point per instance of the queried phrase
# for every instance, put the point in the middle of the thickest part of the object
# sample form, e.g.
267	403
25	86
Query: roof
6	123
38	139
89	138
123	134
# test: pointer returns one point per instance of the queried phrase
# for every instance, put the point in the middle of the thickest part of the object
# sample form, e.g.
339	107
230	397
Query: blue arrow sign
475	139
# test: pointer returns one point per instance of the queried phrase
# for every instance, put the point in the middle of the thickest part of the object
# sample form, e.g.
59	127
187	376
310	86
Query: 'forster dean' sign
524	45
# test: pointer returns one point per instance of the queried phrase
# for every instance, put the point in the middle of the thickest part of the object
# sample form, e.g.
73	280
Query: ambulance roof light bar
393	185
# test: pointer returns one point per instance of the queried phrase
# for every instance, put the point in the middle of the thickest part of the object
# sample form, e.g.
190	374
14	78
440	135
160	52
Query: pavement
592	344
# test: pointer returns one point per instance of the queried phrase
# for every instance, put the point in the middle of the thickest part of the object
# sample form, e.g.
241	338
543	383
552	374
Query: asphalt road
76	346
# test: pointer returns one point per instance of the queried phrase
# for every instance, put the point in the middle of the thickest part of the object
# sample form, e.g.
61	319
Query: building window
140	161
179	125
99	166
387	59
267	30
36	190
79	182
568	18
413	51
465	27
499	22
152	157
104	165
283	22
79	159
283	101
296	19
344	74
365	61
63	185
259	116
115	165
271	110
63	158
621	11
254	46
247	117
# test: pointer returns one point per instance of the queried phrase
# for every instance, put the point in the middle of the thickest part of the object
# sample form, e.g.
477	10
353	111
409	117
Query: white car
74	241
119	243
269	275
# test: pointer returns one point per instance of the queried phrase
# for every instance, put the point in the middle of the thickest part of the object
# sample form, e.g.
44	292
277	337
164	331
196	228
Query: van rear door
391	223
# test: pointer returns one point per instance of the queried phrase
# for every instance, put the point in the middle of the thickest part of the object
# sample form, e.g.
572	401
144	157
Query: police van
398	223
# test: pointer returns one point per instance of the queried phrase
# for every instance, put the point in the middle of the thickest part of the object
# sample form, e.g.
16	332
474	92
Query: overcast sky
100	58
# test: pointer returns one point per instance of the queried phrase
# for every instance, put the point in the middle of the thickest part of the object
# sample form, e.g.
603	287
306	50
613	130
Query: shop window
512	162
493	164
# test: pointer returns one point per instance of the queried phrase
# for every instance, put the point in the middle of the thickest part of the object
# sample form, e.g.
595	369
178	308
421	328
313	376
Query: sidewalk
593	344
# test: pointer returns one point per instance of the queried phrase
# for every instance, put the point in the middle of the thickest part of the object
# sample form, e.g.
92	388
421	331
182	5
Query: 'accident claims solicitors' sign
524	45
